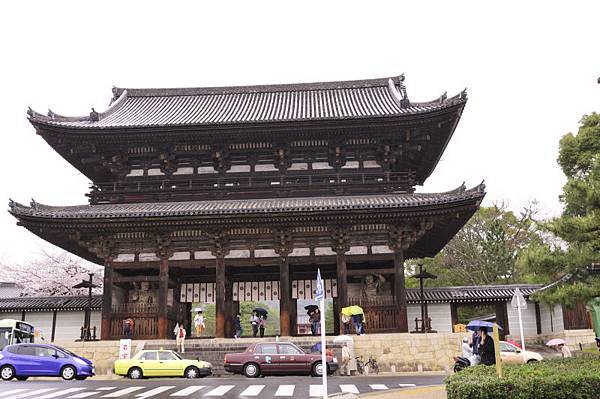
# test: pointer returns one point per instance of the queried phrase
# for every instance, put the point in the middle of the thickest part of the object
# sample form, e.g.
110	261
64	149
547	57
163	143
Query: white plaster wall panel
441	320
300	252
68	325
528	317
370	164
125	258
239	169
203	255
299	166
321	165
155	172
145	257
351	165
238	253
180	256
265	253
358	251
206	170
381	249
136	173
412	312
95	321
265	168
324	251
187	170
42	322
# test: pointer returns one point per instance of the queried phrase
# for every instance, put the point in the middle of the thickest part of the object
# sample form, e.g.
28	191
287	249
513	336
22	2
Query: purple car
22	361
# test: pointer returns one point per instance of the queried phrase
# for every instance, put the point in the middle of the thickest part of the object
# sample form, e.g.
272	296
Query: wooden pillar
53	326
285	297
220	295
400	290
107	301
163	293
229	305
342	288
453	315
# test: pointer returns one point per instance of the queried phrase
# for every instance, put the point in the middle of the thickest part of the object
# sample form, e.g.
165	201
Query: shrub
576	378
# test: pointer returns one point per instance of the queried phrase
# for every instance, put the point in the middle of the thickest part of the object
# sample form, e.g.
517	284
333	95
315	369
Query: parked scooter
467	359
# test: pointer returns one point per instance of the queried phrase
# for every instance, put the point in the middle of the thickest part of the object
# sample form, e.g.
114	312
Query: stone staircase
214	350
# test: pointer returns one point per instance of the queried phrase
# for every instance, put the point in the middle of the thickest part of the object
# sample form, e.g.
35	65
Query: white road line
316	390
60	393
349	388
122	392
30	393
407	385
154	391
285	390
188	391
106	388
378	387
252	390
220	390
13	391
84	395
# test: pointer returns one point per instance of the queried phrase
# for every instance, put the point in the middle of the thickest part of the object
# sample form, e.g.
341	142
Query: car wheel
531	361
7	373
191	372
22	378
251	370
317	369
135	373
68	373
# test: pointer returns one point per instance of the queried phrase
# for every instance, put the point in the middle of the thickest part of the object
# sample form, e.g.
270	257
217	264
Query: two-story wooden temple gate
258	183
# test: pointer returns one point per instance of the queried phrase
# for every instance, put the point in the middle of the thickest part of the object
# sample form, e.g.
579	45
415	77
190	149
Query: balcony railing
103	192
141	308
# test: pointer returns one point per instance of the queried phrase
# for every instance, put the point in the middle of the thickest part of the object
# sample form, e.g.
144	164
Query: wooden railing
141	308
381	314
256	182
143	327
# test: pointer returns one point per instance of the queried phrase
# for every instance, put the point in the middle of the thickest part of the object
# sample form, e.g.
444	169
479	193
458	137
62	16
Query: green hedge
575	378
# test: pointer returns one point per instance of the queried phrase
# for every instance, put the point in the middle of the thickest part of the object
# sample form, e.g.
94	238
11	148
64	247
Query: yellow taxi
161	363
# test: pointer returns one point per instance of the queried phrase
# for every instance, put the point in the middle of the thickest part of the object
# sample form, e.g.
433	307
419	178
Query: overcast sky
530	69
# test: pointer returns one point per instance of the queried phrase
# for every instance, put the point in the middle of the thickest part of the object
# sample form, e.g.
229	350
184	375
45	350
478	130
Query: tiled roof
251	104
247	206
49	303
470	293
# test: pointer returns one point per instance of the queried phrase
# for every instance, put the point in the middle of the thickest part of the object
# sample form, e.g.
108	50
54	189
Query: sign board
518	300
124	349
319	292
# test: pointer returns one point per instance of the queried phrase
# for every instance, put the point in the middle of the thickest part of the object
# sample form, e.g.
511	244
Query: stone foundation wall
411	352
573	338
102	353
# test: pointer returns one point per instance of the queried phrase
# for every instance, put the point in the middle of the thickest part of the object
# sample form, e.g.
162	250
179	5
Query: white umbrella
555	342
198	310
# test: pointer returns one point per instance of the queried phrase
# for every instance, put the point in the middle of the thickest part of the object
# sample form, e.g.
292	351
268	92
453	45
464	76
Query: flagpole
323	349
320	296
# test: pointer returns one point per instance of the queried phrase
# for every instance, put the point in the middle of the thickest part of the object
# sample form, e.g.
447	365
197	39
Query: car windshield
177	355
68	352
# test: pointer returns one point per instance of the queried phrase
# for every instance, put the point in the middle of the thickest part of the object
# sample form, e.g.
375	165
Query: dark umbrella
476	324
261	311
311	308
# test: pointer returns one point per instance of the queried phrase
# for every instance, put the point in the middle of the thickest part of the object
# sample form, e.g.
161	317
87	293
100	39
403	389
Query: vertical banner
320	297
125	349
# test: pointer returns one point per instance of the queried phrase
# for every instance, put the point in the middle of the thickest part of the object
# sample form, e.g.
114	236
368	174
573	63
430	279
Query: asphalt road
231	387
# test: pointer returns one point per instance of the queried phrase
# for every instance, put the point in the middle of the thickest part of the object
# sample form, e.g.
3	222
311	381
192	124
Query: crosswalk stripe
13	391
220	390
31	393
315	390
378	387
154	391
285	390
188	391
252	390
122	392
407	385
349	388
83	395
60	393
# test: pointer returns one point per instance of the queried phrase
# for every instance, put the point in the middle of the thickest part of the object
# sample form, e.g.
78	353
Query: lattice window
249	146
192	147
369	227
309	229
363	141
187	233
309	143
130	236
141	150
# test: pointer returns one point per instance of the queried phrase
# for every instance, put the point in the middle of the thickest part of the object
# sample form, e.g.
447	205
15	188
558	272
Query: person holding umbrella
487	350
254	320
262	324
561	347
